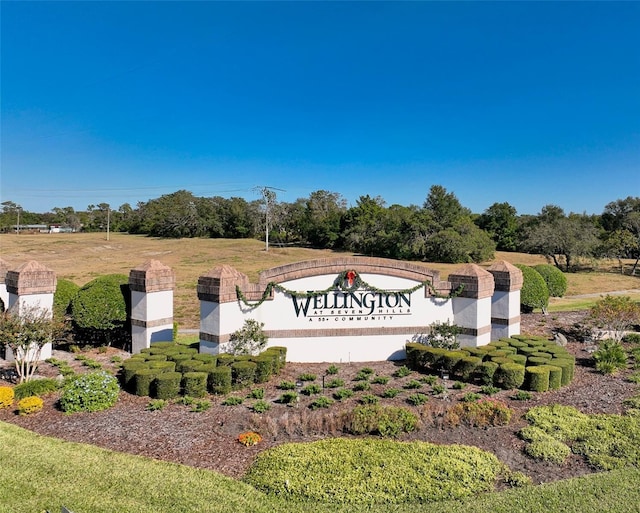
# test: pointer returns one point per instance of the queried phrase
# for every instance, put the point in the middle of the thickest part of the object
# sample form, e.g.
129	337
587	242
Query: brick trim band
152	323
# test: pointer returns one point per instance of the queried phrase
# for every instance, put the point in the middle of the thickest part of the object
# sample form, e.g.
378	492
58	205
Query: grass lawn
40	473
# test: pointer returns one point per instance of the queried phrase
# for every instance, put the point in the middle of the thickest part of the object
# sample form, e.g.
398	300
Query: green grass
41	473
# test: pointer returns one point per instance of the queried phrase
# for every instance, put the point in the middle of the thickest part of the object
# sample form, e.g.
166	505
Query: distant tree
561	237
364	226
444	207
500	221
324	211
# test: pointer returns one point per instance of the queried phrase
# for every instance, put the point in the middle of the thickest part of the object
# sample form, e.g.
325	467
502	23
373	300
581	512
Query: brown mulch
209	439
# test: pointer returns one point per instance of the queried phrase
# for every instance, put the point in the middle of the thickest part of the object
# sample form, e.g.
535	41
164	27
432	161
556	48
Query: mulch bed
209	439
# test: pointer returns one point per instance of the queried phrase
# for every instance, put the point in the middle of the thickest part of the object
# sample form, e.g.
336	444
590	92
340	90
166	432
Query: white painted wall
23	304
151	305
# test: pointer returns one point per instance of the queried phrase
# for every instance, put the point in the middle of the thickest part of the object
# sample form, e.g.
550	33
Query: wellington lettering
353	303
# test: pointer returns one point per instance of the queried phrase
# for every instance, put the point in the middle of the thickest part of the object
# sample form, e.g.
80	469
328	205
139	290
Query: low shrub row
531	363
166	370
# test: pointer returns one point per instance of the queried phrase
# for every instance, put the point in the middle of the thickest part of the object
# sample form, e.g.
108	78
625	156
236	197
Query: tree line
441	230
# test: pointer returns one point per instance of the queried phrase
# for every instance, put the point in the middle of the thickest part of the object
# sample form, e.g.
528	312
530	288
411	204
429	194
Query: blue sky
532	103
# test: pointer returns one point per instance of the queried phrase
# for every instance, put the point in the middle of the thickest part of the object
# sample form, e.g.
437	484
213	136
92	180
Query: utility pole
269	197
108	220
18	208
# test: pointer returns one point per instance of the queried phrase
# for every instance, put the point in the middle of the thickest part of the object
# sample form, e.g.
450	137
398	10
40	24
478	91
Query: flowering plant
249	438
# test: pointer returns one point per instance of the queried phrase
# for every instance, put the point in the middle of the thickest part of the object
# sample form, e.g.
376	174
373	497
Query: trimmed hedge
537	378
243	373
466	367
167	385
219	380
485	372
554	278
194	384
143	379
264	368
509	376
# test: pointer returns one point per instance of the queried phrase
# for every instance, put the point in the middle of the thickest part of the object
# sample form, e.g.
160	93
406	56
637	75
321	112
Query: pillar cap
476	282
507	276
31	278
152	276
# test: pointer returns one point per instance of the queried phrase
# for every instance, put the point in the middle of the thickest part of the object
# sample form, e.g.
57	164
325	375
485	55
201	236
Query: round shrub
499	343
451	358
509	376
433	357
501	360
298	472
142	380
485	372
538	342
6	397
167	385
467	366
179	358
205	357
162	366
128	371
540	354
536	360
95	391
281	351
555	377
156	357
99	308
517	343
194	384
412	350
537	378
219	380
264	368
480	352
567	366
498	353
527	350
243	374
225	359
62	297
185	366
30	405
554	278
518	358
534	293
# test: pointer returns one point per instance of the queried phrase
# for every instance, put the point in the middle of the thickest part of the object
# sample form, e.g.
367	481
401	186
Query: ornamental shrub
555	377
537	378
62	297
484	412
260	406
311	389
143	378
36	387
451	358
610	357
6	397
386	472
194	384
342	393
225	359
543	446
190	365
554	278
413	351
205	357
264	368
90	392
320	402
30	405
99	309
250	339
166	385
162	366
386	421
534	293
128	372
417	399
485	372
243	374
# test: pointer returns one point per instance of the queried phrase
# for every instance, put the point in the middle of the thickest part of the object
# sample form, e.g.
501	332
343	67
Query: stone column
4	294
505	303
472	307
31	287
151	286
219	315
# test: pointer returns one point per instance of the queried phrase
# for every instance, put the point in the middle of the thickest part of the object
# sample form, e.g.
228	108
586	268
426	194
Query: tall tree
444	207
324	211
500	221
364	226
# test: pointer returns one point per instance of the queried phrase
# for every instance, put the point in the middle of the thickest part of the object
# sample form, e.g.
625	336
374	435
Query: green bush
610	357
342	393
386	421
451	358
567	366
555	377
320	402
243	374
225	359
369	399
412	384
264	368
485	372
166	385
219	380
162	366
65	292
90	392
128	371
290	385
509	376
194	384
205	357
256	393
390	393
480	413
537	378
631	338
143	378
36	387
384	469
466	367
99	309
289	397
470	397
544	447
414	355
191	365
332	369
554	278
232	401
361	386
489	389
521	395
534	292
261	406
333	383
417	399
156	404
380	380
311	389
307	376
402	372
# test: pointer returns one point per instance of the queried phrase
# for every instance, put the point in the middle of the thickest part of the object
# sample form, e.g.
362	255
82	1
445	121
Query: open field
80	257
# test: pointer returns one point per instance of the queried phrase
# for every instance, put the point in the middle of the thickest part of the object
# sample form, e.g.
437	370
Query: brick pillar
472	307
152	286
505	303
219	315
4	294
31	286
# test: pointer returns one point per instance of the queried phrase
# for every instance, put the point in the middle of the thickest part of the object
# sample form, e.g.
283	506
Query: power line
269	196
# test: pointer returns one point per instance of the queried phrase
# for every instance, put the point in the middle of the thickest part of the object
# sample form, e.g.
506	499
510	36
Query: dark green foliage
225	359
190	365
536	360
540	354
380	380
458	385
534	293
471	397
290	397
219	380
342	393
90	392
417	399
509	375
390	393
489	389
311	389
65	292
264	368
35	387
279	354
522	395
537	378
128	370
631	338
518	358
232	401
401	372
555	377
307	376
451	358
554	278
163	366
143	379
166	385
369	399
205	357
412	384
567	366
194	384
485	372
333	383
99	309
261	406
414	356
320	402
157	357
361	386
332	369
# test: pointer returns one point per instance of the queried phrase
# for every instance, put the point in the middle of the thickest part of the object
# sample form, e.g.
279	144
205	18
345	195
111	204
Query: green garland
339	283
